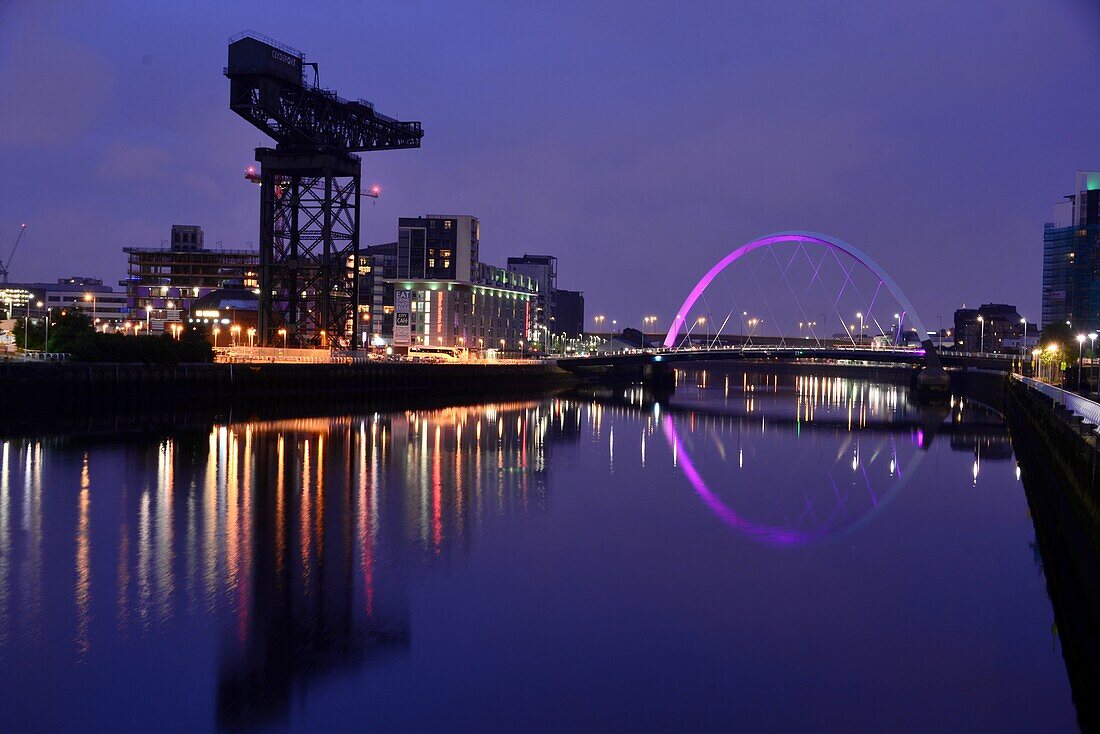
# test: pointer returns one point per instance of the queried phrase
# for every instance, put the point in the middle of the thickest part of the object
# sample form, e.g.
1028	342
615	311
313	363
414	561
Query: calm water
762	553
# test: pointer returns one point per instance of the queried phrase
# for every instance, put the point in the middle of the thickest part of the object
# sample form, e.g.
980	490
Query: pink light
800	237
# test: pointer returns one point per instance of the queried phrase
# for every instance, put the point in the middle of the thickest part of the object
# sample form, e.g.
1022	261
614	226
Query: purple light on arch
805	238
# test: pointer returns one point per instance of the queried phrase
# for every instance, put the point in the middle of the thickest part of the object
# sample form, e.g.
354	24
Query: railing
1087	409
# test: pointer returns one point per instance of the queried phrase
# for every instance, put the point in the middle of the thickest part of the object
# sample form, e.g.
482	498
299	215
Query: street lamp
235	331
282	333
1080	354
90	297
859	315
251	335
27	328
46	347
1023	347
981	343
216	331
148	318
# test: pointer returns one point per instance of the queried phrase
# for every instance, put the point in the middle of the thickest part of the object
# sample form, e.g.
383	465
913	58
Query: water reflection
856	444
297	532
300	538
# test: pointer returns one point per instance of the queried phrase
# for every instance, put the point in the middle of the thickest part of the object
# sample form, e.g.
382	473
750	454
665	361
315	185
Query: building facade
557	311
162	283
454	299
101	303
1071	257
993	327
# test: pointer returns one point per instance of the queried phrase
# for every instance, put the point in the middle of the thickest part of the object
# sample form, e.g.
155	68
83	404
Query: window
446	224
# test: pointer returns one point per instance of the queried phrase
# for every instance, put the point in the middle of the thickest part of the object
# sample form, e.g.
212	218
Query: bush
72	333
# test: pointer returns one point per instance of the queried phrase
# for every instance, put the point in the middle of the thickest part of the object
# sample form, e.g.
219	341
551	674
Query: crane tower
309	189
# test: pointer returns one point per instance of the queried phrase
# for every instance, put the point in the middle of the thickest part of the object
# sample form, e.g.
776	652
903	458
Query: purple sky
638	141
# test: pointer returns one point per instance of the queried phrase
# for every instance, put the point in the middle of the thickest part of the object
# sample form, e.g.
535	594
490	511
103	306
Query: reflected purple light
774	535
778	536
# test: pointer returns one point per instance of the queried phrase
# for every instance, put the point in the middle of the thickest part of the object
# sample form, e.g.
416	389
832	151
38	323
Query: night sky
637	141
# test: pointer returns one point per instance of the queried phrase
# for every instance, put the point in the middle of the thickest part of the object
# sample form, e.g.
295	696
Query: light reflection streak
82	592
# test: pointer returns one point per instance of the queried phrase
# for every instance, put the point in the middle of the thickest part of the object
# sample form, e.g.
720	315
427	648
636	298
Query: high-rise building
556	311
437	247
163	282
453	299
1071	257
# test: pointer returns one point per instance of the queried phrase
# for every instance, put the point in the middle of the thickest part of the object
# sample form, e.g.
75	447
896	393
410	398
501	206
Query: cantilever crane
309	189
5	265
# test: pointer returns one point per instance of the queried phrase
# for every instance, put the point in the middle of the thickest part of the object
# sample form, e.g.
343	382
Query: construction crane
309	189
5	265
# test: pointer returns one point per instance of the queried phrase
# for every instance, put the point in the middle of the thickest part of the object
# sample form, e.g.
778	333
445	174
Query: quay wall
1059	456
37	386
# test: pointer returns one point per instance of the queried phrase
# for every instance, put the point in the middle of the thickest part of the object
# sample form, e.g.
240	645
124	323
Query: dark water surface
761	553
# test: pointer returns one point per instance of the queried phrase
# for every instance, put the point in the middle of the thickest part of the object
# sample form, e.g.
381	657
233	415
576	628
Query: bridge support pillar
933	382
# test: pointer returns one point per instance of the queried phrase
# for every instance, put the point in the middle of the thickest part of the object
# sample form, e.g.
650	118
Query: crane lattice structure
4	267
310	190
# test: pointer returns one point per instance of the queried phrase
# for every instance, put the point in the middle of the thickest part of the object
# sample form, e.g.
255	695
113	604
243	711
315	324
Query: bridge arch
811	238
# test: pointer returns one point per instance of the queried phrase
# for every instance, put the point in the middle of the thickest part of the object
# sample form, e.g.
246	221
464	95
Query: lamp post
897	336
235	332
1080	354
216	331
148	318
981	342
1092	351
282	333
90	297
1023	347
46	346
859	315
251	334
27	327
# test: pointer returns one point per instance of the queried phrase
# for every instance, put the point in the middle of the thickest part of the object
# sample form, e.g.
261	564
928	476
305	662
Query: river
759	552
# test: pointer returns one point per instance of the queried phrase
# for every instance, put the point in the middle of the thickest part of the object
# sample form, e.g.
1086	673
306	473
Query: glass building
1071	257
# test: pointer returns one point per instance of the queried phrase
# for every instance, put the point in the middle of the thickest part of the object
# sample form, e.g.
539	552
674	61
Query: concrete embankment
1058	457
38	387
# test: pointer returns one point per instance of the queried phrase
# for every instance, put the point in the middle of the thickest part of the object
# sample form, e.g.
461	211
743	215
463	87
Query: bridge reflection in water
301	535
863	442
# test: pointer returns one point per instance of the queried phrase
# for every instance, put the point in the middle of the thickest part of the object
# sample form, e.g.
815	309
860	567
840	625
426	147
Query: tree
34	339
70	327
1061	335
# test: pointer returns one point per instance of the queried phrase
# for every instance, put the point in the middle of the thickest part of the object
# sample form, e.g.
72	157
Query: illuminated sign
402	310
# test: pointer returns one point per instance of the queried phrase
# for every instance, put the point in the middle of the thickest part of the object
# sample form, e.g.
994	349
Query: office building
1071	257
453	299
556	311
162	283
993	327
100	302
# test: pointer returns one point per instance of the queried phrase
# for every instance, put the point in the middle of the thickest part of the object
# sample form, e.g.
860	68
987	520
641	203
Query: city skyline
923	140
